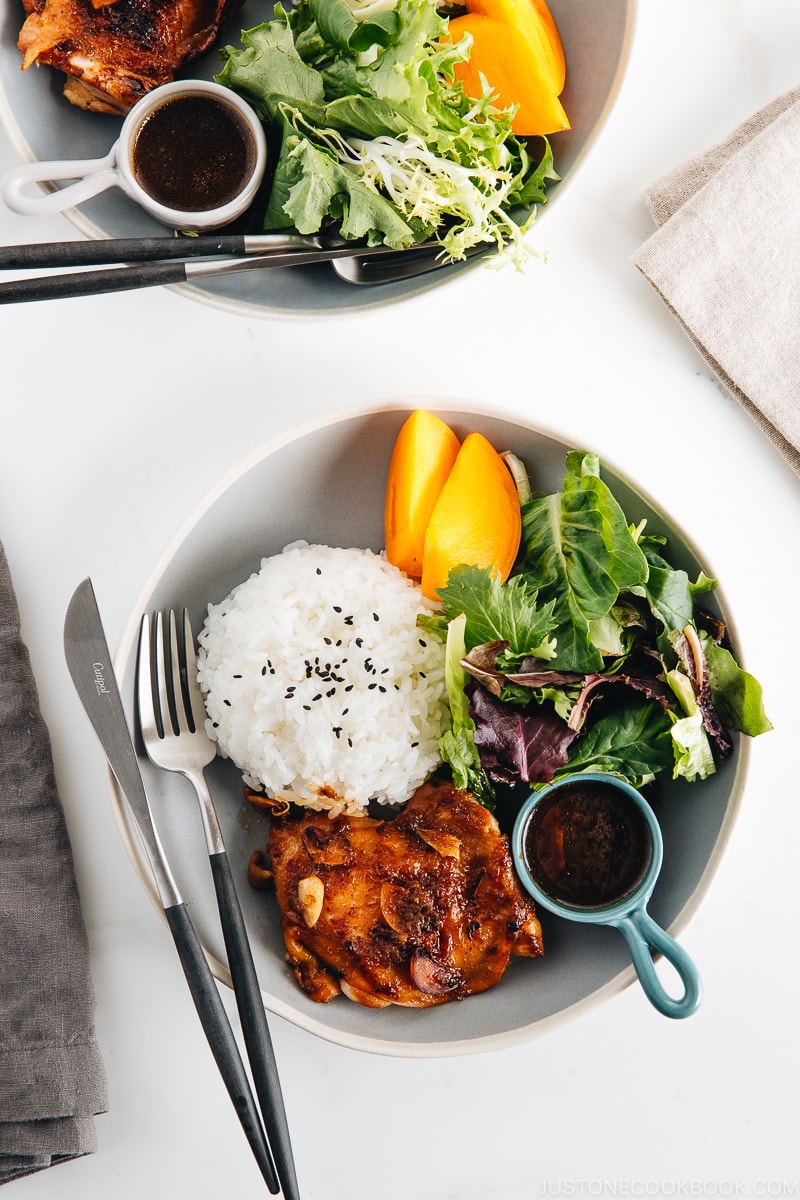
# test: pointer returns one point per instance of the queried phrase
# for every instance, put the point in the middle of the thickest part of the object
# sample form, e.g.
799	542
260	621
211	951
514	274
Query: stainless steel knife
90	666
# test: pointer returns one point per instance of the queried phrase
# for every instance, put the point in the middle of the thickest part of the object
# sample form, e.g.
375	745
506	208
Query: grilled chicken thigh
114	51
414	910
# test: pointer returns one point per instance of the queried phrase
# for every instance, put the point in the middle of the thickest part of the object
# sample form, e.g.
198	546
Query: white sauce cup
95	175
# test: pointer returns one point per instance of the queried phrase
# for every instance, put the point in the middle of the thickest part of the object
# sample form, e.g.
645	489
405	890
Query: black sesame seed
349	687
227	702
348	620
422	643
345	711
307	707
317	697
337	730
328	641
350	743
332	692
422	675
237	677
359	642
375	617
263	670
337	608
414	745
370	686
381	688
319	572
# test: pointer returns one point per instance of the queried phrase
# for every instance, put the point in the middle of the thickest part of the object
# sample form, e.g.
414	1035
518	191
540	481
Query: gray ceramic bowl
256	510
596	33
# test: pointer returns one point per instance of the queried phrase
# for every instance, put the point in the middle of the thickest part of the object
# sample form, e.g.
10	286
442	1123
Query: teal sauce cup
589	848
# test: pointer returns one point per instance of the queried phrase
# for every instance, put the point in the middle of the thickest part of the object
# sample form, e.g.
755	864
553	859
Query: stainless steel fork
172	721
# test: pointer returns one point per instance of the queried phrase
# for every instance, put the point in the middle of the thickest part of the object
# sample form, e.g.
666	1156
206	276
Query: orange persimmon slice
476	520
533	21
422	459
517	49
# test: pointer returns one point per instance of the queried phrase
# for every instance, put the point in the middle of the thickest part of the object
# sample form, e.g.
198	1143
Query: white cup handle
92	175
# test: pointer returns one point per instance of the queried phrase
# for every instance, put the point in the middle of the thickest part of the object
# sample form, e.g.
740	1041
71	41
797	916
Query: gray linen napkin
725	258
52	1081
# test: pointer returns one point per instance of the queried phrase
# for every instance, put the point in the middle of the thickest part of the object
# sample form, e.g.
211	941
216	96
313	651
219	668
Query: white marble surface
111	434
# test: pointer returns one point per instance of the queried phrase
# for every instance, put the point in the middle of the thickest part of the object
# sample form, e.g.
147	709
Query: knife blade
89	662
90	666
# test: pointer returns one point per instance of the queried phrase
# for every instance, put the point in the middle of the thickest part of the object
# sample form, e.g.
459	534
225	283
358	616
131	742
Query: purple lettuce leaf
516	745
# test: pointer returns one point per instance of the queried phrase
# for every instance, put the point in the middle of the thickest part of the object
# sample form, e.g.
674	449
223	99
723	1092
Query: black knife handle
118	250
254	1022
90	283
220	1037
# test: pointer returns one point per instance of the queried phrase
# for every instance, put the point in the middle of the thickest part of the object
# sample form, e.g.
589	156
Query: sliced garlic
446	844
310	894
367	999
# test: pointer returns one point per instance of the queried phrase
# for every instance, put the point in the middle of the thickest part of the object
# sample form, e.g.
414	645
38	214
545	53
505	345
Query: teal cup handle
642	935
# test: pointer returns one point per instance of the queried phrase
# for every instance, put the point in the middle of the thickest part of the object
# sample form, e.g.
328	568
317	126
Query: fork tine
161	689
195	696
148	718
176	675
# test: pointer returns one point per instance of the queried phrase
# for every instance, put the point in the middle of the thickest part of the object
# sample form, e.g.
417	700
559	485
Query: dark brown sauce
193	153
587	844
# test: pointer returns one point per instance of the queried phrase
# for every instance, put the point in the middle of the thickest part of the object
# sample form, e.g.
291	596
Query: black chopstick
151	274
121	250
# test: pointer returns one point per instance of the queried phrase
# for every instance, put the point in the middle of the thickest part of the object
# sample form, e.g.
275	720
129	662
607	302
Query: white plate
325	482
596	36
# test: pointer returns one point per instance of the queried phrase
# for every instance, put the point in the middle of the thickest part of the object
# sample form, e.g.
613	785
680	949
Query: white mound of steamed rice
319	685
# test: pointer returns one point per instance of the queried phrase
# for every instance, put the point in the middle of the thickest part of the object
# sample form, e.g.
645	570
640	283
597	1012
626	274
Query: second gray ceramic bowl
325	483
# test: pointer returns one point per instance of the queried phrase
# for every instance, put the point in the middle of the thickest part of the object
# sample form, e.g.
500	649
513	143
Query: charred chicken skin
115	51
415	910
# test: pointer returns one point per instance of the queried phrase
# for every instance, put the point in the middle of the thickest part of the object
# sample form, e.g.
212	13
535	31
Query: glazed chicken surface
415	910
115	51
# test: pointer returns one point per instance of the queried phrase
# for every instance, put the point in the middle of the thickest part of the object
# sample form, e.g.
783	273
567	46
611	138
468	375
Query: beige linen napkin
725	258
52	1081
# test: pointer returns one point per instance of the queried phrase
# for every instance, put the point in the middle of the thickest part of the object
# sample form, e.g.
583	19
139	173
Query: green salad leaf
633	742
737	695
497	612
457	745
579	555
339	24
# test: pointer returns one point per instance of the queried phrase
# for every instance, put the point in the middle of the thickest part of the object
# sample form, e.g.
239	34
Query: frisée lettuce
371	132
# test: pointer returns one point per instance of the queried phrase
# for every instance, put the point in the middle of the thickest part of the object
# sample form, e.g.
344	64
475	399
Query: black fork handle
220	1037
255	1029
